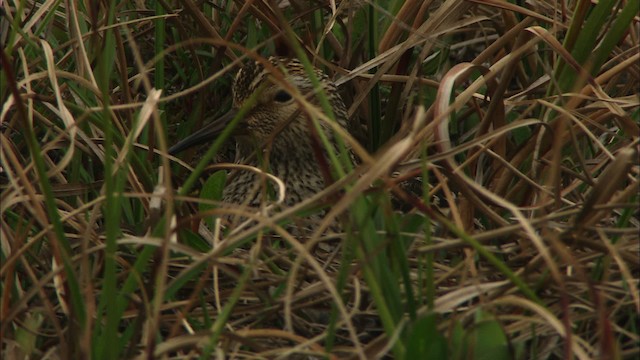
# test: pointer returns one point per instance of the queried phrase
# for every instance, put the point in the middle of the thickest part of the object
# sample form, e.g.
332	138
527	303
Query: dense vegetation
520	242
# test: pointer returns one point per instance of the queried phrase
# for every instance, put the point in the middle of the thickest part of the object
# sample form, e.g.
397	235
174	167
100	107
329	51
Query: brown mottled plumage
277	125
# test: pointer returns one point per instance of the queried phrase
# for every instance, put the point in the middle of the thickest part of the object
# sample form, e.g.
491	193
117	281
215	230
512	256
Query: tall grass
507	134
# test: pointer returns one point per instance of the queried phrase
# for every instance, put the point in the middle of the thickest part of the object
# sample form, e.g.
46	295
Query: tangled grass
522	120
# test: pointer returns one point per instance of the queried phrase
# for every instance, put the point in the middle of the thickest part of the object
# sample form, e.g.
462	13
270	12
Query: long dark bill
208	133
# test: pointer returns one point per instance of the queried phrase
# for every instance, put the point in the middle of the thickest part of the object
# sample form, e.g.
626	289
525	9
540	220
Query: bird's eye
282	96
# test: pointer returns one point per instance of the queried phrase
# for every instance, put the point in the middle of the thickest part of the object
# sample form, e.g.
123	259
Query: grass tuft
494	208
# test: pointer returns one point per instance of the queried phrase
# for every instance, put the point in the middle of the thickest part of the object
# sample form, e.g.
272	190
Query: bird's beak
207	133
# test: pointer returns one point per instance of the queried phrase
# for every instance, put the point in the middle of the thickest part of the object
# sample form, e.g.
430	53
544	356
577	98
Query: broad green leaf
212	189
425	341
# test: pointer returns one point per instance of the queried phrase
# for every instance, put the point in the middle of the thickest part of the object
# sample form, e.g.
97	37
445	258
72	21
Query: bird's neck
282	150
296	165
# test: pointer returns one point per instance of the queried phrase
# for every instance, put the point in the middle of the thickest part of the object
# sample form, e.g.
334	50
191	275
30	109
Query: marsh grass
520	241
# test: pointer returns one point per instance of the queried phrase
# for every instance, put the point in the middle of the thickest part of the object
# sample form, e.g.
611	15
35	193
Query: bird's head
278	96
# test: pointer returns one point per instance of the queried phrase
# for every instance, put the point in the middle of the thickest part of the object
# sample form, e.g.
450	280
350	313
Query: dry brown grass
527	138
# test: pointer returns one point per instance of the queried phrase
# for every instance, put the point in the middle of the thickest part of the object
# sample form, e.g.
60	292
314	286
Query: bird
276	127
